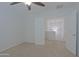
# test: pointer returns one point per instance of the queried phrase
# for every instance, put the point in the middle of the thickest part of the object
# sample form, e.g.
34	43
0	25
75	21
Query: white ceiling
35	8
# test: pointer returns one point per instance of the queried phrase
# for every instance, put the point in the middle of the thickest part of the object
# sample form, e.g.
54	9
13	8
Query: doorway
55	29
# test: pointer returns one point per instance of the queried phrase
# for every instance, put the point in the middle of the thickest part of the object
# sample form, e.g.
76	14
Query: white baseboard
13	45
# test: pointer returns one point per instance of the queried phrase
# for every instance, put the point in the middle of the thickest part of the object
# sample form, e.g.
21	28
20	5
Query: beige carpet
50	49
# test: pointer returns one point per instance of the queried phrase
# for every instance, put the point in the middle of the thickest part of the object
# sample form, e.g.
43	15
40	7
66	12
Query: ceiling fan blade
29	7
13	3
39	3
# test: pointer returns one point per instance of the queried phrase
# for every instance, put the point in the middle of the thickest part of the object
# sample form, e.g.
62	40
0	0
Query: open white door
70	31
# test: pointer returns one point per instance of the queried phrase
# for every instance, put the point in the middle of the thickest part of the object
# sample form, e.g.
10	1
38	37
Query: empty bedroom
39	29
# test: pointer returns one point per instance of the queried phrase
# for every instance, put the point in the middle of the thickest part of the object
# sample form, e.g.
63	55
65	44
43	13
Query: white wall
30	29
11	26
70	30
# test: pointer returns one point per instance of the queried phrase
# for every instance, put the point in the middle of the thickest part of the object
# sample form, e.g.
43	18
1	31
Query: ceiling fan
28	4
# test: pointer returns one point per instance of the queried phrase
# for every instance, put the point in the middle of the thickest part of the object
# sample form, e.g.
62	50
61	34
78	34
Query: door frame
76	33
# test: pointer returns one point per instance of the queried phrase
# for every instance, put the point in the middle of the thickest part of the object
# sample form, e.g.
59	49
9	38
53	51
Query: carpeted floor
50	49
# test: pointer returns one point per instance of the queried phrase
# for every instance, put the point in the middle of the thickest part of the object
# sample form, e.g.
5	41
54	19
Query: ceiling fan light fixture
27	2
